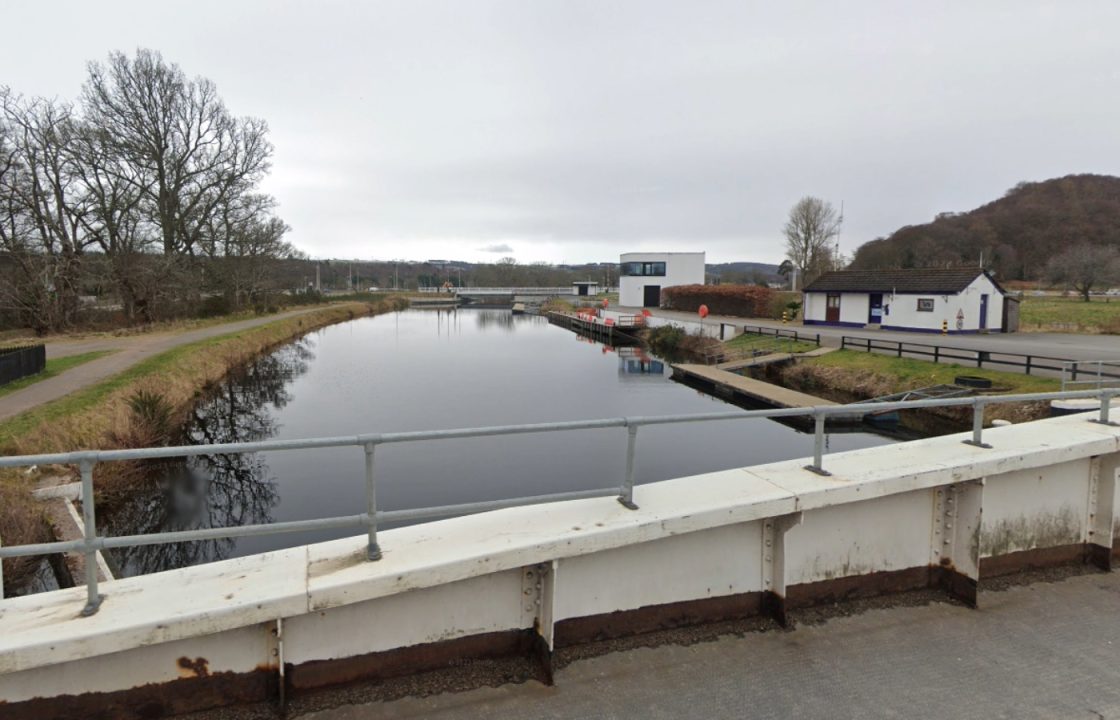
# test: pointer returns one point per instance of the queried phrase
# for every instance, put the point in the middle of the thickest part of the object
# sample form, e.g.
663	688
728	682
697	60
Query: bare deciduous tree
812	225
1085	267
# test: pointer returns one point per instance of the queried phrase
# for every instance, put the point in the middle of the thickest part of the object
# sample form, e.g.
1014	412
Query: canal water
426	370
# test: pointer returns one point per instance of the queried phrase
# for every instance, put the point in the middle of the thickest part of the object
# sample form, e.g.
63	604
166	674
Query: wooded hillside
1017	234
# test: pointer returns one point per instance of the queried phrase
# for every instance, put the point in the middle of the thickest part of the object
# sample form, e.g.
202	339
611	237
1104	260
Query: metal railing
1093	372
938	353
91	542
783	332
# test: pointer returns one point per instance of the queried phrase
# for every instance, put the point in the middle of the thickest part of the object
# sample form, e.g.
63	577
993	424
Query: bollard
785	317
944	327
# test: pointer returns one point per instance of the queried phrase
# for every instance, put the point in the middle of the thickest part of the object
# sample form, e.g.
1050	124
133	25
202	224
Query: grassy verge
1062	314
897	374
752	342
54	367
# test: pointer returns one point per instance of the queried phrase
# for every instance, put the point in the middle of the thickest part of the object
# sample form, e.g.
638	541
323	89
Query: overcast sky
572	131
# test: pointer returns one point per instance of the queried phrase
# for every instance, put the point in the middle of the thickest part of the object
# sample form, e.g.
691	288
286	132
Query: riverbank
99	416
847	376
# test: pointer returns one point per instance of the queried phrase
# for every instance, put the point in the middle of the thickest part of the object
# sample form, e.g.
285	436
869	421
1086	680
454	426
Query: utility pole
318	285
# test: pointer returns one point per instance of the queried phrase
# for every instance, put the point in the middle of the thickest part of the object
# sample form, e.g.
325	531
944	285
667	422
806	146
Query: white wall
901	310
904	309
680	269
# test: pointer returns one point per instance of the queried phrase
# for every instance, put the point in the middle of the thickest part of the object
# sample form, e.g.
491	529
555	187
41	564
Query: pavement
1044	650
126	351
1059	345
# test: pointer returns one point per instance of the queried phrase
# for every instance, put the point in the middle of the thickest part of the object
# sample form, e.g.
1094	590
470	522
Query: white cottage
965	300
642	276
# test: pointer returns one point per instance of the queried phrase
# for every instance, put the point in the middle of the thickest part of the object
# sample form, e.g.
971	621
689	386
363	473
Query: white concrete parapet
714	546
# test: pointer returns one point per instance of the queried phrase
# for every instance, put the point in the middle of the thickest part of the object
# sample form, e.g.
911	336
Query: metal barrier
1027	363
1094	369
21	361
783	332
91	543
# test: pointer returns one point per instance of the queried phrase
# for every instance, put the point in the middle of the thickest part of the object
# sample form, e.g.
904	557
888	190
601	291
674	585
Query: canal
426	370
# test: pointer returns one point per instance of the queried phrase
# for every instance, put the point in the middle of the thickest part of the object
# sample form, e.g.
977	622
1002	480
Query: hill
1017	234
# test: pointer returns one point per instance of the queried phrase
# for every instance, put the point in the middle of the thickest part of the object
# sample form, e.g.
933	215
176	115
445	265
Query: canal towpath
125	352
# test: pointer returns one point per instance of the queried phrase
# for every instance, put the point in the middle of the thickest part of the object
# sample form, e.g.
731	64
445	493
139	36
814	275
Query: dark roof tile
917	280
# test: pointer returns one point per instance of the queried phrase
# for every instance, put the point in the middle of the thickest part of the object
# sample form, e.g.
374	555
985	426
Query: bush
739	300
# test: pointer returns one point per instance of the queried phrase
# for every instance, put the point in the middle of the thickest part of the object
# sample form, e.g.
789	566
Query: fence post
373	550
1073	372
843	340
818	444
978	424
89	519
937	353
899	349
1028	364
626	494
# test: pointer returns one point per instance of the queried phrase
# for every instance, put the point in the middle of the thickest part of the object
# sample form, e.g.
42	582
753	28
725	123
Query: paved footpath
128	351
1046	650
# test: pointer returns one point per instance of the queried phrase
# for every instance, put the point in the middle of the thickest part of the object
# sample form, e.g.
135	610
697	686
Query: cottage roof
943	281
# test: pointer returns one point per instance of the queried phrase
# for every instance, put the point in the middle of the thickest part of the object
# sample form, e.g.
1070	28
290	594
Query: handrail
1027	362
85	460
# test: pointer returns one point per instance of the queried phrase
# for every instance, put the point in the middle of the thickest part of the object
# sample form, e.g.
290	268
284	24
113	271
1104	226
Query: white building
642	276
965	300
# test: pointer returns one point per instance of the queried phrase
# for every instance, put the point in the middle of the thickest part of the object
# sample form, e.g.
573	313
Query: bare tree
196	155
812	225
1085	267
43	207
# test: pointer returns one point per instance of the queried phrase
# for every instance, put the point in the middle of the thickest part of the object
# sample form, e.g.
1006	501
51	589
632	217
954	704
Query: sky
573	131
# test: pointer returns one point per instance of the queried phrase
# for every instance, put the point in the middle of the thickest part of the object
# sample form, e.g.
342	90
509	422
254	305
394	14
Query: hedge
739	300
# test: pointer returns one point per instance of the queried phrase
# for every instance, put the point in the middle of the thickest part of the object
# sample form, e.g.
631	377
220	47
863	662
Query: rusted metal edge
427	657
183	695
623	623
1036	559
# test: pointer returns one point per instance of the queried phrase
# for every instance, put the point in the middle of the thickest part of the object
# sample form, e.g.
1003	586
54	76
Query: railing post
978	424
373	550
89	519
626	493
1073	372
818	444
843	340
1106	401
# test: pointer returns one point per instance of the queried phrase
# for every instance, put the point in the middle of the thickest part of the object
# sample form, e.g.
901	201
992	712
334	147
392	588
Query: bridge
536	578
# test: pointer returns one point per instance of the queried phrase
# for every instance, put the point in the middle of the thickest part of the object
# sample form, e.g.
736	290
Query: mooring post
89	519
626	496
373	549
1106	402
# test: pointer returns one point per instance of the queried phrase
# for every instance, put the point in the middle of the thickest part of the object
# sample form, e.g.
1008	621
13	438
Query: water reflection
423	370
212	490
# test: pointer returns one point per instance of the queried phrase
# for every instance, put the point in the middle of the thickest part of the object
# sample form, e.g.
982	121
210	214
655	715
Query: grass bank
1067	314
768	343
54	367
849	376
99	416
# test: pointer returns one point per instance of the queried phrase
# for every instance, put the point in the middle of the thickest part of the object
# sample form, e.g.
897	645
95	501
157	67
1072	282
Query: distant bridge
500	291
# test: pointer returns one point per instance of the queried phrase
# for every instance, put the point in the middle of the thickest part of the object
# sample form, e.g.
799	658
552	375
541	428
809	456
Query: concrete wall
722	545
680	269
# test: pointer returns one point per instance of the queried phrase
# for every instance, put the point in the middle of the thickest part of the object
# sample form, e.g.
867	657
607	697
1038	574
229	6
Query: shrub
740	300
